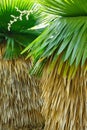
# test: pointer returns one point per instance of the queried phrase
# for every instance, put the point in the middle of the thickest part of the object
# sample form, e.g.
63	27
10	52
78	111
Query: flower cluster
25	13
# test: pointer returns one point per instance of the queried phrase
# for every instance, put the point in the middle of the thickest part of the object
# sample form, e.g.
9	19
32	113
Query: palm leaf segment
16	19
65	40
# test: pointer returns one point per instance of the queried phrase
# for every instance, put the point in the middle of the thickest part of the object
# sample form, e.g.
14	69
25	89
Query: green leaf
17	18
65	7
84	54
12	49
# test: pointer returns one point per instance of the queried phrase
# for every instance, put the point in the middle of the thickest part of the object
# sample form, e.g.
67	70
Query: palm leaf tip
67	38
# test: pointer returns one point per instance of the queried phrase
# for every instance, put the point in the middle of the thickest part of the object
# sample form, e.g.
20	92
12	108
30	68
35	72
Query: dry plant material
65	99
20	102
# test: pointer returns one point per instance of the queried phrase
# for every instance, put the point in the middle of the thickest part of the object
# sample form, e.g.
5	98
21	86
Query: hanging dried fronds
65	100
20	102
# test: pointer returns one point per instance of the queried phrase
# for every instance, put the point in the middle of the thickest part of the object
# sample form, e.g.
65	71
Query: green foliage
66	7
17	17
66	36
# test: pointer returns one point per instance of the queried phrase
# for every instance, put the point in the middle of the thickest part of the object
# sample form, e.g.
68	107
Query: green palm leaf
66	7
16	20
66	36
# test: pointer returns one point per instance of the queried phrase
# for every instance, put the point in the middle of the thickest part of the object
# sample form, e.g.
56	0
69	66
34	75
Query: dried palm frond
20	102
65	99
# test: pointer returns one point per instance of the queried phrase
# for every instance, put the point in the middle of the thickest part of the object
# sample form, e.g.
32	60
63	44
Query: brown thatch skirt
20	102
65	99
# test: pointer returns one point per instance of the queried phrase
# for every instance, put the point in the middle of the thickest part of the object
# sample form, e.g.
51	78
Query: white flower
25	13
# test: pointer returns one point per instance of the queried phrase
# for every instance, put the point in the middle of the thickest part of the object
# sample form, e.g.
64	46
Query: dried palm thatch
20	102
65	99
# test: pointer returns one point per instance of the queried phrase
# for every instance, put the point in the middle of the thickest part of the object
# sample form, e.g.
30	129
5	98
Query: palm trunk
20	102
65	100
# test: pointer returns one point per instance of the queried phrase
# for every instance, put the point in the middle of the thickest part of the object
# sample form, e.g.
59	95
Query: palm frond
65	37
8	8
16	20
65	7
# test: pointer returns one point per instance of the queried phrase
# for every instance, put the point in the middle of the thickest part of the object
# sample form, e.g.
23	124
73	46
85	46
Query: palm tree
20	102
61	52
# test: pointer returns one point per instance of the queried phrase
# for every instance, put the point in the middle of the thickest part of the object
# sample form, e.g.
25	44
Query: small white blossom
25	13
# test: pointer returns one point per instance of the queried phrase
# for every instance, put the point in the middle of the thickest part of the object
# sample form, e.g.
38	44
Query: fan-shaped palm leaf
66	8
65	35
16	19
